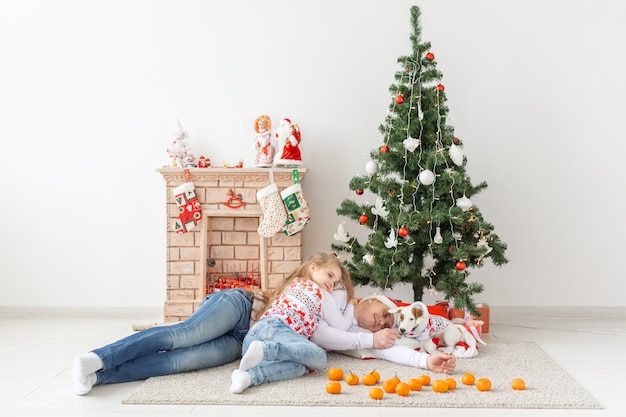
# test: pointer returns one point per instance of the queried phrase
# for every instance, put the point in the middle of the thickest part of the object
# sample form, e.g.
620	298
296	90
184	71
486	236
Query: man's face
373	315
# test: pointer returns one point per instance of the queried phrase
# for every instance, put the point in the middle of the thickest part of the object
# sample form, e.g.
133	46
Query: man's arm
330	338
403	355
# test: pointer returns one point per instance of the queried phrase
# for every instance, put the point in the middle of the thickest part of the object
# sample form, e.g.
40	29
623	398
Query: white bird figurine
379	208
368	259
341	234
411	144
392	241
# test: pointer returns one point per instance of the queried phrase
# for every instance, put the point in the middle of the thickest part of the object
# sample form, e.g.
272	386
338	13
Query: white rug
547	384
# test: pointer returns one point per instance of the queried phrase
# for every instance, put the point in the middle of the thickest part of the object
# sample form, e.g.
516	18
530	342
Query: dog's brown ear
417	313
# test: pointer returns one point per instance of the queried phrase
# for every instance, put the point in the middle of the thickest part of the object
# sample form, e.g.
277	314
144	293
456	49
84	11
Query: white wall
90	92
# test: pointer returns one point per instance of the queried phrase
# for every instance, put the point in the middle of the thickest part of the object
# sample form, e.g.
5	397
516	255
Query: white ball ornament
426	177
371	167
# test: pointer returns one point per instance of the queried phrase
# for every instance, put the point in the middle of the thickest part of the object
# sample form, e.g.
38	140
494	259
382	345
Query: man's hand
385	338
441	362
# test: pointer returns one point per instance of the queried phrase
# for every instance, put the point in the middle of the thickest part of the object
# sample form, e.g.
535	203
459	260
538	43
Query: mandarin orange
415	384
333	387
483	384
352	379
376	393
451	383
335	374
369	379
403	389
518	384
468	379
439	385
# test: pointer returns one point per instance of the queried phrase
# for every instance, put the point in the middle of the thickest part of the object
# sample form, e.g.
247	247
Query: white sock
240	381
87	364
83	387
253	356
83	376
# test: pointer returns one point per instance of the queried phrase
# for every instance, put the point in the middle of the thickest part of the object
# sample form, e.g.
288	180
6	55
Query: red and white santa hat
383	299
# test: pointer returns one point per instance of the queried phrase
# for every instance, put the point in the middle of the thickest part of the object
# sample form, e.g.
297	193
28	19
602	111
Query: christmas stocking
189	208
297	209
274	215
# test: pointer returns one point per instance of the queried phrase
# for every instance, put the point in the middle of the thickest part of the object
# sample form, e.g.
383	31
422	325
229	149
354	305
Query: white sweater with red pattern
300	306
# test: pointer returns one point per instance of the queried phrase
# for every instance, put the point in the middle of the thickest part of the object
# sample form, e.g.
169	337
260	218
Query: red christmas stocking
189	208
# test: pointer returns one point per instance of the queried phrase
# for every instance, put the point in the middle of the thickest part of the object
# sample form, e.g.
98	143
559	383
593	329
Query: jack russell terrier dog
414	321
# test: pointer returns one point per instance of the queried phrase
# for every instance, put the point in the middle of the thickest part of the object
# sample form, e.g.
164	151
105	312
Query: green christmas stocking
298	214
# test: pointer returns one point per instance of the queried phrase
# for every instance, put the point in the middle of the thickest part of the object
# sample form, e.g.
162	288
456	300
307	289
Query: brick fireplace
225	242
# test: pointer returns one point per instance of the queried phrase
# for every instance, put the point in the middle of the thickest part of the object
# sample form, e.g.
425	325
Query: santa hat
383	299
287	120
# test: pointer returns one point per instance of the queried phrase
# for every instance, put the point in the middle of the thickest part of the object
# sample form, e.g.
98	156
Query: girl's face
325	276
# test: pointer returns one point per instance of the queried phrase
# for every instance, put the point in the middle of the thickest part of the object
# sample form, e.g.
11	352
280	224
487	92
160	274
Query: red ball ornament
359	192
403	232
430	56
440	87
399	99
384	149
460	266
363	218
456	140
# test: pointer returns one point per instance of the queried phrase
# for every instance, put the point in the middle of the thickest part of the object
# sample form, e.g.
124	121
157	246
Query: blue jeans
211	336
286	354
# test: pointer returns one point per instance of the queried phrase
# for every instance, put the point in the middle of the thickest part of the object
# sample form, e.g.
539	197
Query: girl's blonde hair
321	259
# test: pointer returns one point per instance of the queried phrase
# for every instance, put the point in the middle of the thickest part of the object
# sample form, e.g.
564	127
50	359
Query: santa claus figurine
288	137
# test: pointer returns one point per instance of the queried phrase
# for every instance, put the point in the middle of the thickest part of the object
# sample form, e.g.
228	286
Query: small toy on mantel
265	151
204	162
288	137
190	161
179	149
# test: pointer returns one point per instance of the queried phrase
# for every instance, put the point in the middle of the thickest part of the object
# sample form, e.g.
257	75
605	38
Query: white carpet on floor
547	384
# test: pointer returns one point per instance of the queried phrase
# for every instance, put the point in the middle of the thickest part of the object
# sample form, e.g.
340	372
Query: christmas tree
423	227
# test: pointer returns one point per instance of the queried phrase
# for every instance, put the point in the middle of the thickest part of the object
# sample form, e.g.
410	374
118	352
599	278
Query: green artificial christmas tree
423	227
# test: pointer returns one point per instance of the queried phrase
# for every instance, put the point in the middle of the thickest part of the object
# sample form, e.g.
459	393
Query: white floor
37	348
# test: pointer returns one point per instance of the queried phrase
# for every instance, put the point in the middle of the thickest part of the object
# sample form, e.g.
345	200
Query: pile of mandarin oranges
394	385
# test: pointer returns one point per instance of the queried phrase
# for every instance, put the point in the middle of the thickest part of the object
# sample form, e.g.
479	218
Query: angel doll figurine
265	151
